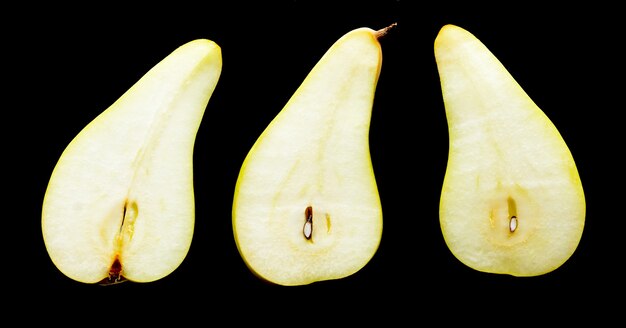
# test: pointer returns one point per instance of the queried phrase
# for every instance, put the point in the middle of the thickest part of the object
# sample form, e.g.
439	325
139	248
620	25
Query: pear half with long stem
306	206
512	200
120	202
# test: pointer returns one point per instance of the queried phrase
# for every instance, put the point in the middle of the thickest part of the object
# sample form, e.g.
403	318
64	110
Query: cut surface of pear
306	206
120	201
512	201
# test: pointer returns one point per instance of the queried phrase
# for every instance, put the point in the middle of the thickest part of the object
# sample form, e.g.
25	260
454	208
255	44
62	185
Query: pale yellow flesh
123	188
506	159
315	153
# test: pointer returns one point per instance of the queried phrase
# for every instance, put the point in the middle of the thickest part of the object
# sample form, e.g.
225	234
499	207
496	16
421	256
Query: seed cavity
512	214
129	215
327	222
127	226
308	223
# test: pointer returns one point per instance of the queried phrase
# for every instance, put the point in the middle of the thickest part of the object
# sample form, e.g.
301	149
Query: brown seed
308	223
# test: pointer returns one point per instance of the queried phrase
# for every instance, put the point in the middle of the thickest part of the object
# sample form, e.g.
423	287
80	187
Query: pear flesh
306	206
512	201
120	204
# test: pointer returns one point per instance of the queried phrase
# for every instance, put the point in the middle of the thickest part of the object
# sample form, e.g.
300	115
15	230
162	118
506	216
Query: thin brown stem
383	31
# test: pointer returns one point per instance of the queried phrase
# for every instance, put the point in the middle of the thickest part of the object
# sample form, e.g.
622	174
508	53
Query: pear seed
308	223
513	223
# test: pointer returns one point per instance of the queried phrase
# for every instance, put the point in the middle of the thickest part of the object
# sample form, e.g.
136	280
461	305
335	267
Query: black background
74	62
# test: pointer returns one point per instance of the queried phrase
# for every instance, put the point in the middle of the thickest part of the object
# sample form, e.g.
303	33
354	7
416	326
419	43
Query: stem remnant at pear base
115	274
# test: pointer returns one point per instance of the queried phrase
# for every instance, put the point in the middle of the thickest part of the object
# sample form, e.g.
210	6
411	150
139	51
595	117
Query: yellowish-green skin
506	159
121	194
315	153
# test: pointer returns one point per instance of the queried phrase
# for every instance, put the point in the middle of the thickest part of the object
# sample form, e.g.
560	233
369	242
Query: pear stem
383	31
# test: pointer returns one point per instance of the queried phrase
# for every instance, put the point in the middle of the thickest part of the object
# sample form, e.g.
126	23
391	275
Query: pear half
120	202
512	201
306	206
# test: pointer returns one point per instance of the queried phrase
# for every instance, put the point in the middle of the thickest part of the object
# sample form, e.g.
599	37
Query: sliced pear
306	206
512	200
120	201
